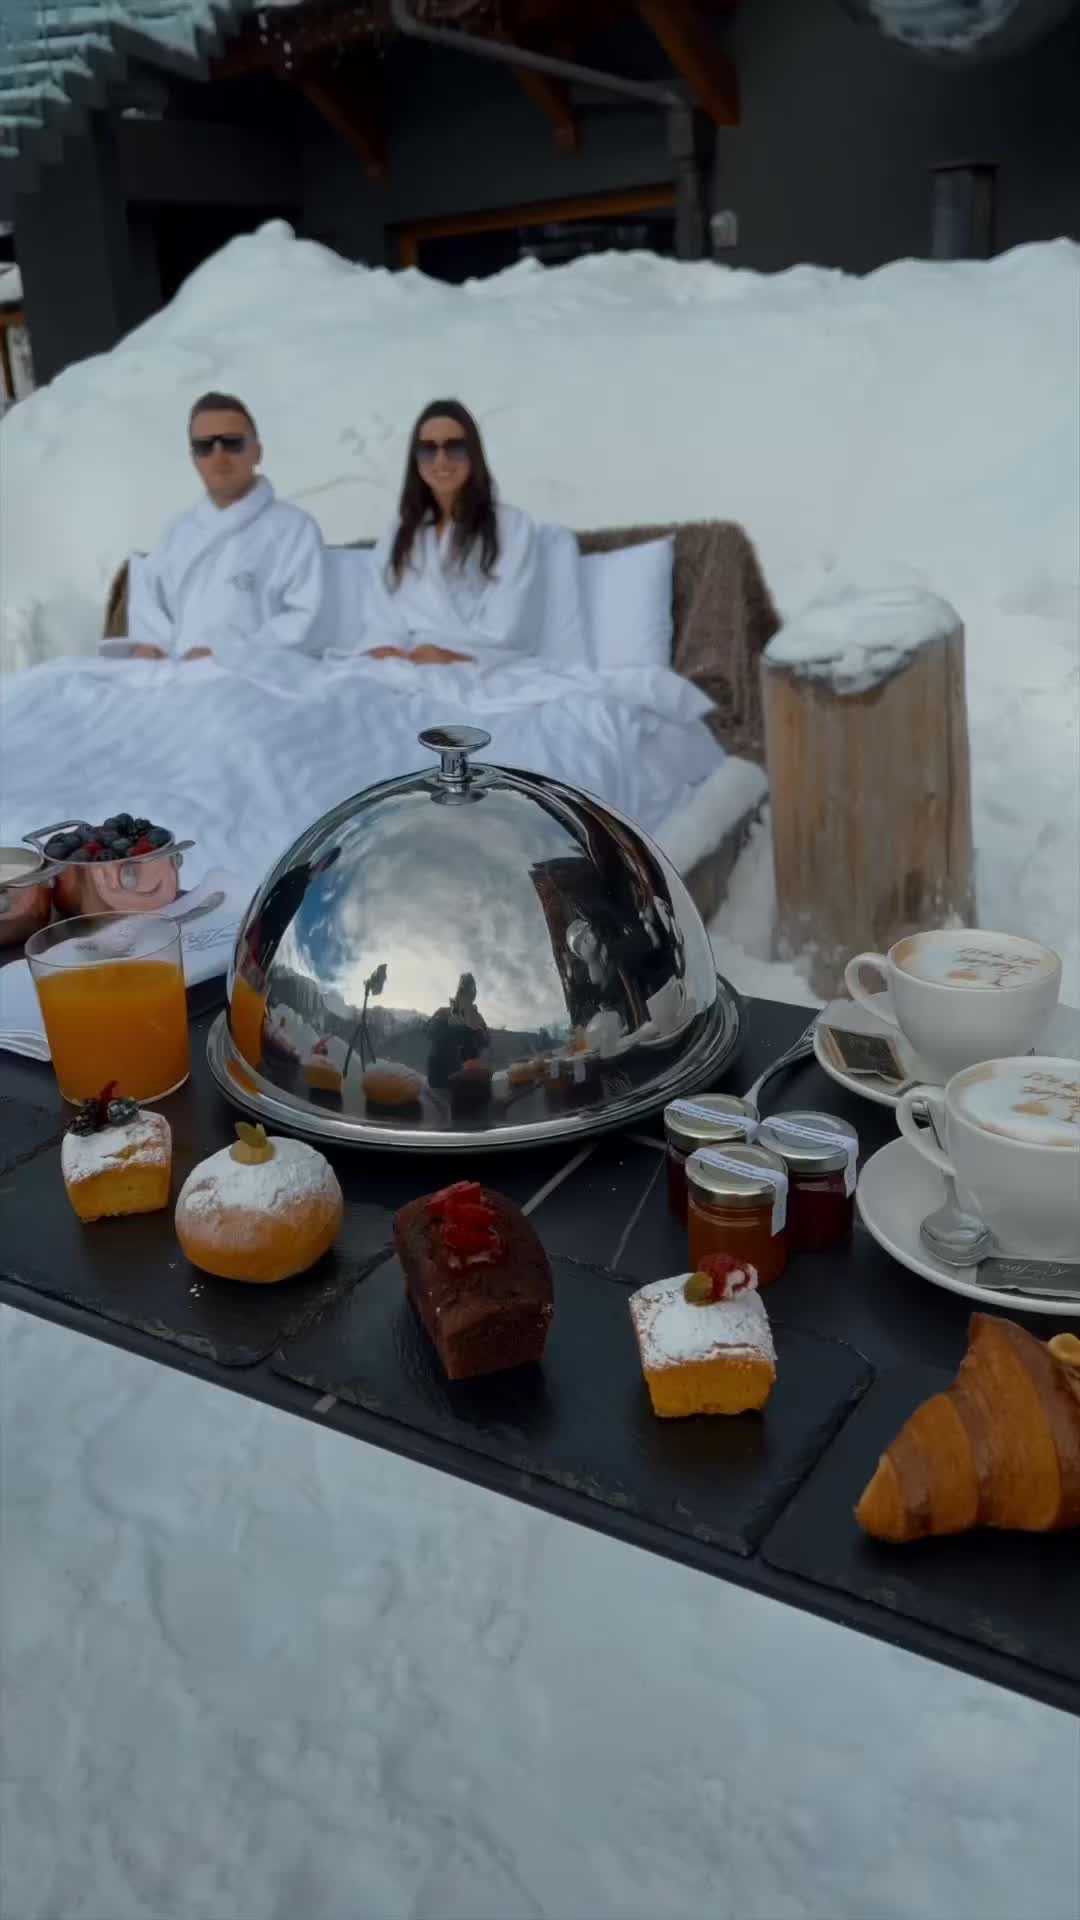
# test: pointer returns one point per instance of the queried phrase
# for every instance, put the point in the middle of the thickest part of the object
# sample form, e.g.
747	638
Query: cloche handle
454	745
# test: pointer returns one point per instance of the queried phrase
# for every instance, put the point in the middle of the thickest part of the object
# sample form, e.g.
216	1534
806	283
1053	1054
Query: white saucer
897	1189
1061	1037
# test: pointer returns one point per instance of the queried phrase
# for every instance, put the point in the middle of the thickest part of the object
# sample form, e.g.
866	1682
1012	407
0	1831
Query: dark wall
464	138
136	204
84	285
840	130
831	163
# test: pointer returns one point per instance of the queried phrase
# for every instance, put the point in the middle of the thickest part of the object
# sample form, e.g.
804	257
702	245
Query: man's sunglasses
428	451
203	444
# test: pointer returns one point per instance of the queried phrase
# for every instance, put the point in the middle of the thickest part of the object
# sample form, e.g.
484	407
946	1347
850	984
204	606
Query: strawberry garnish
468	1224
719	1277
449	1198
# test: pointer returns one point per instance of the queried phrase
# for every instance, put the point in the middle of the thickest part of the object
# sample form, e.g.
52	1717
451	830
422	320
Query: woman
453	578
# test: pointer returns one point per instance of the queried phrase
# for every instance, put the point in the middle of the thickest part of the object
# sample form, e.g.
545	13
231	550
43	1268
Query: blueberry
57	847
158	836
123	823
80	853
120	846
112	824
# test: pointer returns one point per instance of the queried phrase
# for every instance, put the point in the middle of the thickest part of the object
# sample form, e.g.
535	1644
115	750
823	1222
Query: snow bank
919	428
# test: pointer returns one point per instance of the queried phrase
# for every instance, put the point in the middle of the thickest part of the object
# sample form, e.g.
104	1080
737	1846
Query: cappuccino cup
1012	1135
959	995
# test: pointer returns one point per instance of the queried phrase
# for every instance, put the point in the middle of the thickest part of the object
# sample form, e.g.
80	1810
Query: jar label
777	1179
746	1123
823	1136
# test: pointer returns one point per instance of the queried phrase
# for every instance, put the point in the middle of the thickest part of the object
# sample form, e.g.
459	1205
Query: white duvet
242	761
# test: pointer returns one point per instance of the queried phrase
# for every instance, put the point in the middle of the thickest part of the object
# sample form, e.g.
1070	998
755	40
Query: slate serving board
582	1419
24	1130
1017	1593
133	1270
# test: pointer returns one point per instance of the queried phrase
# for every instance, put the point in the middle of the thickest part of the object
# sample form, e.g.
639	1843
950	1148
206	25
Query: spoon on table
953	1235
210	905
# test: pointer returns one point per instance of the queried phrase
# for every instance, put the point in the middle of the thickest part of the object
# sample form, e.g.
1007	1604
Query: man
240	572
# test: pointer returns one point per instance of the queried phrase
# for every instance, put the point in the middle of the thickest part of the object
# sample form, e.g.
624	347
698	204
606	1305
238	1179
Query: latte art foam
973	961
1038	1105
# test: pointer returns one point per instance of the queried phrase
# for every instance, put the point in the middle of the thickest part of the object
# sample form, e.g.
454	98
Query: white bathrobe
231	579
439	603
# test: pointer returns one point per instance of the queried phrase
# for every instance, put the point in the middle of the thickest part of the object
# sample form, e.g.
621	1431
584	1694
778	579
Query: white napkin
208	942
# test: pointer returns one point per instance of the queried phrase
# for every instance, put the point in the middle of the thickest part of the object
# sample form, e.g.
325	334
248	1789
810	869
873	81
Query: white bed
243	762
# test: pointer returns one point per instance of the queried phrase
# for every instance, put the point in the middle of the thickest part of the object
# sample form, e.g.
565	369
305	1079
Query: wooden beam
551	96
348	102
696	54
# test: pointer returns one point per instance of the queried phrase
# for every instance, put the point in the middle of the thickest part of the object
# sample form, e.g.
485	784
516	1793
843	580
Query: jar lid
708	1117
811	1142
739	1176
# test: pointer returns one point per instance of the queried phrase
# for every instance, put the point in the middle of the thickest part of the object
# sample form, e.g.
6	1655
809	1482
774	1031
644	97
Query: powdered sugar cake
710	1354
119	1169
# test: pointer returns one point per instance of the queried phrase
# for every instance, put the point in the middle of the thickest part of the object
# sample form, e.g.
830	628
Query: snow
856	639
918	428
254	1670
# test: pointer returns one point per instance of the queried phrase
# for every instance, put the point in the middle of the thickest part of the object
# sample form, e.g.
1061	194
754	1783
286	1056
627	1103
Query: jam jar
707	1121
737	1204
821	1154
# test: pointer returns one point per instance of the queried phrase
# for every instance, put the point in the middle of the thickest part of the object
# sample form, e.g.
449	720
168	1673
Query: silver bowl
470	957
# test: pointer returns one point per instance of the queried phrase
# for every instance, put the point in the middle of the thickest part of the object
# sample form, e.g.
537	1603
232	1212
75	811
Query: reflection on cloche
469	956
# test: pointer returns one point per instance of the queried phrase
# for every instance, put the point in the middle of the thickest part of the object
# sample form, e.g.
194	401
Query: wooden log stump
867	752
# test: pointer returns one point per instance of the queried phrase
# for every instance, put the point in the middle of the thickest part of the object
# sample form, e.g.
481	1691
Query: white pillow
346	593
628	605
560	603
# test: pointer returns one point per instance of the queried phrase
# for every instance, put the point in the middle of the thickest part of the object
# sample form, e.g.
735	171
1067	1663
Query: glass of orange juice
111	988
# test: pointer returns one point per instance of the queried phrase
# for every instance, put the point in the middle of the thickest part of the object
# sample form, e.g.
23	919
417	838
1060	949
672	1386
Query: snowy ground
919	425
254	1671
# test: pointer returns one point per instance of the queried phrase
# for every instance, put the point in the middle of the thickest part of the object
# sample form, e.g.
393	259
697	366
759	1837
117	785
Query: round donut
260	1213
387	1084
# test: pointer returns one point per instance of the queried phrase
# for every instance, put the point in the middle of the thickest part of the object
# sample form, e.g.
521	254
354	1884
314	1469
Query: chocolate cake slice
478	1278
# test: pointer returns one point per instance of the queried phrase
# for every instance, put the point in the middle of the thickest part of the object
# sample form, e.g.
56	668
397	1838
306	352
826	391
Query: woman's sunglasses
203	444
428	451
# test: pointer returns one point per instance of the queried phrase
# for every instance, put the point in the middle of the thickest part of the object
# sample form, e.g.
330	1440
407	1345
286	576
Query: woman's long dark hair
474	519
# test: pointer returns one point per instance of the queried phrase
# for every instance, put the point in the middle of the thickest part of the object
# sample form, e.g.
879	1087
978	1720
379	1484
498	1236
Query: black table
860	1341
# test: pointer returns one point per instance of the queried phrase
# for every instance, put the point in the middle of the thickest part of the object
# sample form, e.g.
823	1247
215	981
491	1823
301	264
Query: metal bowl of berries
470	957
25	895
125	864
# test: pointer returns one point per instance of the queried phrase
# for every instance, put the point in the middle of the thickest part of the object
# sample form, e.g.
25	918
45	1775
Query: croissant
1000	1448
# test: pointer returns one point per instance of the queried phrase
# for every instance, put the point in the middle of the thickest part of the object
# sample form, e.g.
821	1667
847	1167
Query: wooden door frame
584	206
